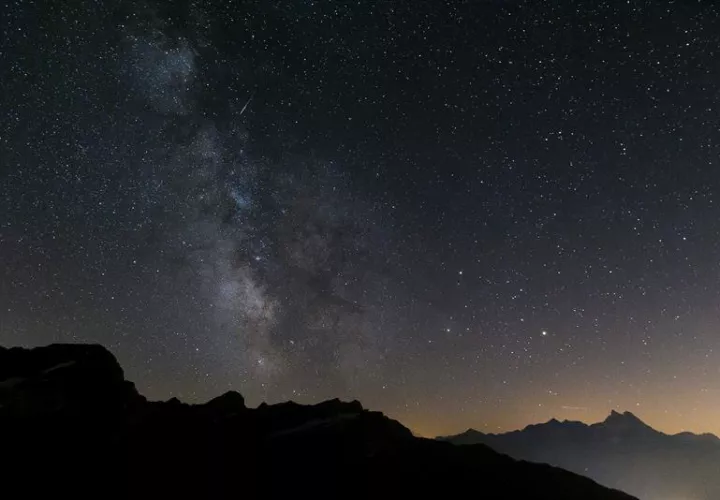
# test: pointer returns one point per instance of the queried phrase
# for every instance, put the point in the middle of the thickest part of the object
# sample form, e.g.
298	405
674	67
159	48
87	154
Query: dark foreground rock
72	427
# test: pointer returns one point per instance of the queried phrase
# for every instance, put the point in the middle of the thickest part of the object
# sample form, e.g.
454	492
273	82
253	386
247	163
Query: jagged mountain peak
623	421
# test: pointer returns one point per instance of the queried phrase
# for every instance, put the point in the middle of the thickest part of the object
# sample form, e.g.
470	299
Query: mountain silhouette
625	422
622	452
73	427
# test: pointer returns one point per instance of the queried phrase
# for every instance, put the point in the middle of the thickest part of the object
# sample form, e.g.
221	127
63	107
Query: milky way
483	215
278	252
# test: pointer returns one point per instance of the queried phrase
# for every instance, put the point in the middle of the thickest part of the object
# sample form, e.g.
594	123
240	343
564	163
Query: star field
463	214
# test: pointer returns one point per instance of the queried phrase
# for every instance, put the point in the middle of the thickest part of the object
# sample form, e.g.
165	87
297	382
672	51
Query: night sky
464	214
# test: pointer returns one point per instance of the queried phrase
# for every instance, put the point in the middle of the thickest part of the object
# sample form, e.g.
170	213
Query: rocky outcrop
81	379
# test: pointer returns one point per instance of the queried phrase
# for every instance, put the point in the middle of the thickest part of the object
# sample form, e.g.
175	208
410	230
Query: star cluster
463	214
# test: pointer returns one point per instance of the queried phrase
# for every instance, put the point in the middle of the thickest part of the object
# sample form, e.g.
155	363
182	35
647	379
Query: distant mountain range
621	452
72	427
